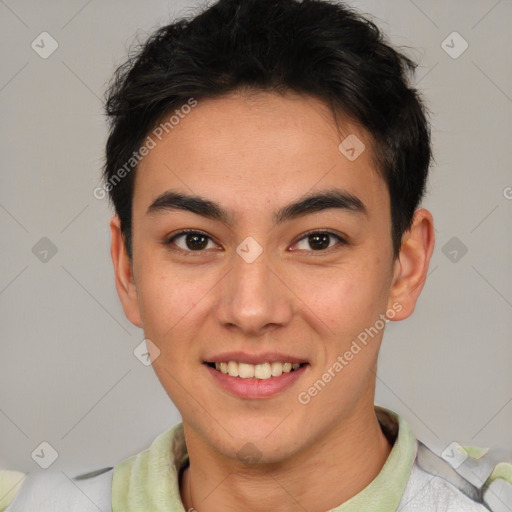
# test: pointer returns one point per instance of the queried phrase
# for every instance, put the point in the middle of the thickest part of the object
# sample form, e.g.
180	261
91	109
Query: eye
189	240
320	241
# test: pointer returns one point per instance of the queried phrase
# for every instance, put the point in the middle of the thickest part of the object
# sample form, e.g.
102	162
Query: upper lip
262	357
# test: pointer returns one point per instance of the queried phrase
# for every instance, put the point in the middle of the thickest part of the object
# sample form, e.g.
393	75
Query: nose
254	298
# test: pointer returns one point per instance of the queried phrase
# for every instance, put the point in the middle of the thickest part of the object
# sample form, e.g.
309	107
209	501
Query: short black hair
321	48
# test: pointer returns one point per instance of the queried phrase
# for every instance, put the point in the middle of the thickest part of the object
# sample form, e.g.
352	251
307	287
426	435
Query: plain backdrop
68	375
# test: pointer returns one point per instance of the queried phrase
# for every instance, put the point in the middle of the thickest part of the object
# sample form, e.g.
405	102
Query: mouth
255	381
261	371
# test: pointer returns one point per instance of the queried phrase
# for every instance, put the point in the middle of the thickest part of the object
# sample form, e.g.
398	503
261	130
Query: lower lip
256	388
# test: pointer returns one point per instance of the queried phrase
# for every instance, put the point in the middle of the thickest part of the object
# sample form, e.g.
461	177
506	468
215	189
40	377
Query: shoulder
426	491
10	483
58	492
103	489
477	482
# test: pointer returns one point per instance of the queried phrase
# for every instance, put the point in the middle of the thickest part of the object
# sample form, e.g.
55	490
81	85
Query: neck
320	478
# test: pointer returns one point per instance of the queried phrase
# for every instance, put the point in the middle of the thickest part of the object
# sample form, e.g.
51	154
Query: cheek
345	298
167	299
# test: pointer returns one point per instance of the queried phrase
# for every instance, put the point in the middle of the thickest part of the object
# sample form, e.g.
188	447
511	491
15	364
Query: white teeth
246	371
277	369
261	371
233	368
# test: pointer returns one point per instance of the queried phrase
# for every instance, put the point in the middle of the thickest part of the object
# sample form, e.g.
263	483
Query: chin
259	443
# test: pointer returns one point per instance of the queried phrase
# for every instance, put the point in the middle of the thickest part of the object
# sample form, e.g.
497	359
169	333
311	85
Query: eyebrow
310	203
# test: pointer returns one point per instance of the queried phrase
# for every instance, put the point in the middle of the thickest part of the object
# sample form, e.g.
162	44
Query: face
256	282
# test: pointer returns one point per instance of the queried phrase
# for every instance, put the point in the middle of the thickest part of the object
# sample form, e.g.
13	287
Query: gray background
68	375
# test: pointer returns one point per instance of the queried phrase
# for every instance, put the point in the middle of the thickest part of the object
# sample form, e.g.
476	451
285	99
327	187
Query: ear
411	266
125	283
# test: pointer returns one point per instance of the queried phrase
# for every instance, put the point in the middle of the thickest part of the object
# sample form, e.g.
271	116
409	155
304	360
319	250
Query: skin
253	154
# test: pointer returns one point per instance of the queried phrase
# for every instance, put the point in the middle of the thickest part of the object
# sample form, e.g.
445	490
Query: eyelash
341	241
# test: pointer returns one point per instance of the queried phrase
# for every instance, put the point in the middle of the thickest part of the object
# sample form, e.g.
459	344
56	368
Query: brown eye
195	242
319	241
190	241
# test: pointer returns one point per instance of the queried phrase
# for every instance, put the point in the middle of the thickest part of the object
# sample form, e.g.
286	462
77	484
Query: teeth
262	371
277	369
233	368
246	371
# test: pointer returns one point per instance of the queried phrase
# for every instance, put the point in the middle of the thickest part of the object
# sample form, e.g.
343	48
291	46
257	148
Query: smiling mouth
261	371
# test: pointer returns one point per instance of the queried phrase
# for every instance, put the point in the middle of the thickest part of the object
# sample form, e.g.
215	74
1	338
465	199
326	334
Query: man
266	161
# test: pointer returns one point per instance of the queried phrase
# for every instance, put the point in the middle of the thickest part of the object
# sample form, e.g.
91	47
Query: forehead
249	150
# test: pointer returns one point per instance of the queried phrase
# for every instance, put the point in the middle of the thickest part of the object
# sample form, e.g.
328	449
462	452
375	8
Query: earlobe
123	272
411	267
